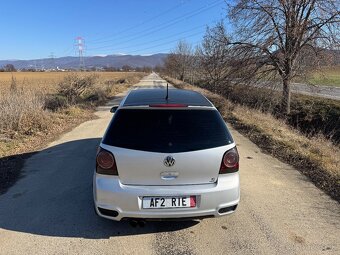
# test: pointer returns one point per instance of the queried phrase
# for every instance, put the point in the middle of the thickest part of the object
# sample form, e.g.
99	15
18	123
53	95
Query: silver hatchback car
166	157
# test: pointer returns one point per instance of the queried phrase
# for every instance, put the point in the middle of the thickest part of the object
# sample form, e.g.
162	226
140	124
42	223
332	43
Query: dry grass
316	157
317	148
21	111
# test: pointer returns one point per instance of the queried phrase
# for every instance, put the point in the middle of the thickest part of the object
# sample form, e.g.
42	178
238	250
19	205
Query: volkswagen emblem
169	161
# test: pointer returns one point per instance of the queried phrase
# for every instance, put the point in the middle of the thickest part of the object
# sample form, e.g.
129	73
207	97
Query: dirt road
320	91
49	210
330	92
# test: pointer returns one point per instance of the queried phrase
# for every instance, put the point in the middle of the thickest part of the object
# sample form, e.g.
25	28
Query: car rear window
167	131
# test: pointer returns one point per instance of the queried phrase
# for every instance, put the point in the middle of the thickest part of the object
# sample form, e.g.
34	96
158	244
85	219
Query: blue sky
36	28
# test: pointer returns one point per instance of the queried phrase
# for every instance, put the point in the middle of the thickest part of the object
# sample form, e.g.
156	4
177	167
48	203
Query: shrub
55	102
313	115
122	81
83	88
76	87
259	98
97	95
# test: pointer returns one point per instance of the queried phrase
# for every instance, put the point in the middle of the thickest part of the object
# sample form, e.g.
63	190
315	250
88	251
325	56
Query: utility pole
51	56
80	44
42	66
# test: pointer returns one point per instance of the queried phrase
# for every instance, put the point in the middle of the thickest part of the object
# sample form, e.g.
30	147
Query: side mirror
114	108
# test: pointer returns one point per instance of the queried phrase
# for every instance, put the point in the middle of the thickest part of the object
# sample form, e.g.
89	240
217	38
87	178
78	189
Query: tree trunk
285	104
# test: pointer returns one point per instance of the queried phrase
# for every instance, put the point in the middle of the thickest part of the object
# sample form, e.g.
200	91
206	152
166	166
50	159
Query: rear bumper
110	194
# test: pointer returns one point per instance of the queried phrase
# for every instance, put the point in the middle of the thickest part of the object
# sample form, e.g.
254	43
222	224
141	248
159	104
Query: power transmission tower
80	44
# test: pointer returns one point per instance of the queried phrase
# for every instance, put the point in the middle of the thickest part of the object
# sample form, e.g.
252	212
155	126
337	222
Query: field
327	76
47	81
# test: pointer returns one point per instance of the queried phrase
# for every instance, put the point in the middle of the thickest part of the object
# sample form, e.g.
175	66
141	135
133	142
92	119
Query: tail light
105	162
230	162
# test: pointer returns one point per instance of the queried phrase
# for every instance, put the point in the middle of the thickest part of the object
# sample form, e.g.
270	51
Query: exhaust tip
133	223
227	209
142	223
106	212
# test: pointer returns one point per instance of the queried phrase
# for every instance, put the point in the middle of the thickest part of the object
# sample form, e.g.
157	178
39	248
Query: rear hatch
167	146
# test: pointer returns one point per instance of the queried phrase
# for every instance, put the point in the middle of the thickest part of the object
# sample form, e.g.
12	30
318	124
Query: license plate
169	202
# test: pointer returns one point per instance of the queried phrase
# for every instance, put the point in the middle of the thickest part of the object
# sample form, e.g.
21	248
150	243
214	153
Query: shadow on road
54	198
10	170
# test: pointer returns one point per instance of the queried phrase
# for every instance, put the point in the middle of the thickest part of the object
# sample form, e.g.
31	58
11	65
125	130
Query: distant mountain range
116	61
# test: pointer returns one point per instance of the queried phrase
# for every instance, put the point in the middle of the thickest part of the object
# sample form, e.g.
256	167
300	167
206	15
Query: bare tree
179	62
170	65
215	57
9	68
277	32
126	68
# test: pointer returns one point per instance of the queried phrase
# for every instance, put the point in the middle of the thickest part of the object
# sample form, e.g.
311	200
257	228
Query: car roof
141	97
